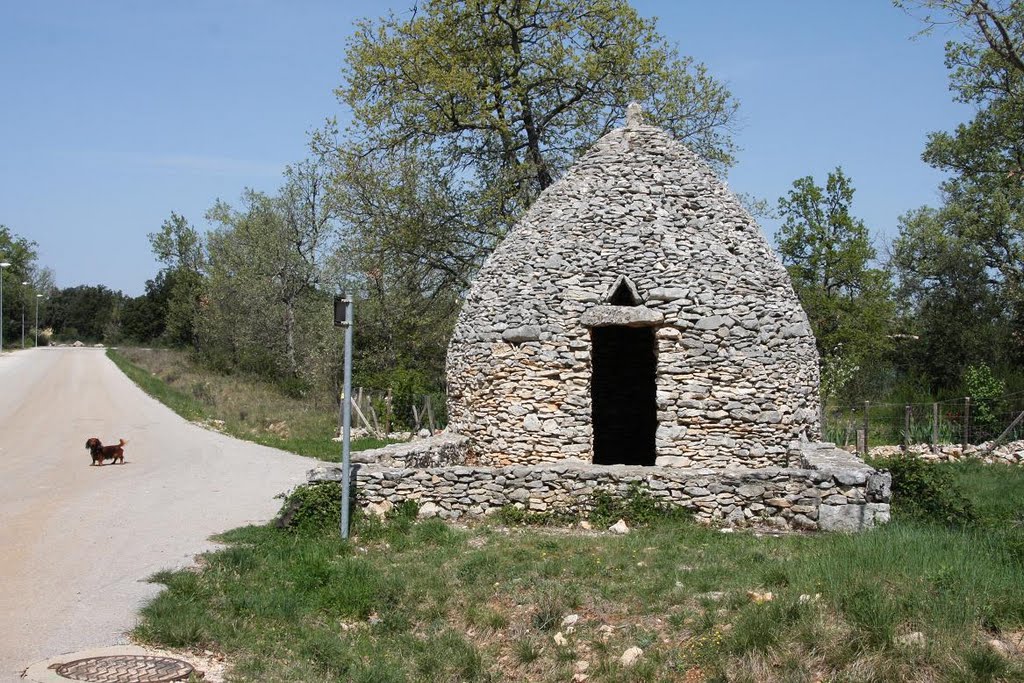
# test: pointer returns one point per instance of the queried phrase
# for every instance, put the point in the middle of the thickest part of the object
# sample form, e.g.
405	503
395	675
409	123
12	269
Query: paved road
77	542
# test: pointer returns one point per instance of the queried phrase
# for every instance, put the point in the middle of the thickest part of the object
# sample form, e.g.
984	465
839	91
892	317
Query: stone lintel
628	316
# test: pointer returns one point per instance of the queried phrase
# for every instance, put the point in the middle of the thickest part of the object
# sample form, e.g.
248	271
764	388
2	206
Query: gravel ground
78	541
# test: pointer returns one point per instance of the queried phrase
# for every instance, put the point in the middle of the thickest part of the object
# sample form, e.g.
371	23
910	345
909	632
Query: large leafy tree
87	313
20	253
464	111
984	157
494	98
950	303
179	246
829	256
264	308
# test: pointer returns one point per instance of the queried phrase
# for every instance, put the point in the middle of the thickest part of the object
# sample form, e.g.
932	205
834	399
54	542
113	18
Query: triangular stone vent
623	293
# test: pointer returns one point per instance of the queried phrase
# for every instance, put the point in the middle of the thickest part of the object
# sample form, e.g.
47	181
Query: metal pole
867	410
967	423
23	304
37	320
3	265
346	475
906	427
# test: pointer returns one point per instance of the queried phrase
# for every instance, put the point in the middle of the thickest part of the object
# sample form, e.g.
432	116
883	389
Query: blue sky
115	113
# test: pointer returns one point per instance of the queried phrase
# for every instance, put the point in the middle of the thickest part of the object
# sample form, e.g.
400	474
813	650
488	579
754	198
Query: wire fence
963	421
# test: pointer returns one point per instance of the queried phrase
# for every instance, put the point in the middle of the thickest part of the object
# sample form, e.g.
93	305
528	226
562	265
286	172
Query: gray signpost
343	318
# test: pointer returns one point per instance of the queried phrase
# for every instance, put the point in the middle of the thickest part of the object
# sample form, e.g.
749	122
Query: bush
985	391
926	492
311	508
638	508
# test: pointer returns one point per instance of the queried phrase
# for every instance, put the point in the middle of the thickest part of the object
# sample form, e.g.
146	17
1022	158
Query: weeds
275	415
421	600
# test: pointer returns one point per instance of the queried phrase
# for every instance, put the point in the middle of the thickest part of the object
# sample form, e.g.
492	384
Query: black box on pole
341	304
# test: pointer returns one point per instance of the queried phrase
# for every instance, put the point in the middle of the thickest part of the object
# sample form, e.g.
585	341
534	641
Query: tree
495	98
266	268
21	254
950	303
87	313
179	246
829	257
984	157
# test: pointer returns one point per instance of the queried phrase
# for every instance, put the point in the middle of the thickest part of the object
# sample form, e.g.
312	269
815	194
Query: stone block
851	518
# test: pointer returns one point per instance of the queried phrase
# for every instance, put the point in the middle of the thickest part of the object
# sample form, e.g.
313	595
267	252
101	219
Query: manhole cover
126	669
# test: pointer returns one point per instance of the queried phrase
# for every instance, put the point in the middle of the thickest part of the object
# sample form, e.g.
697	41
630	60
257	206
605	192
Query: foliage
312	508
637	507
265	309
20	299
244	406
952	312
983	194
395	603
985	391
829	256
837	371
84	313
464	111
927	492
180	248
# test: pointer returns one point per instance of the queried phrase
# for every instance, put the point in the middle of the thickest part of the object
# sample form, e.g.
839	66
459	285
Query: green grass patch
412	601
244	407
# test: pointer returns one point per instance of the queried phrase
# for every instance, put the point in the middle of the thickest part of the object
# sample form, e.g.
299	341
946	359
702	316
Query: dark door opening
624	406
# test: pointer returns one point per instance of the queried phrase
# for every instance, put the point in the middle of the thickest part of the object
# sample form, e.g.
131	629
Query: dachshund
100	452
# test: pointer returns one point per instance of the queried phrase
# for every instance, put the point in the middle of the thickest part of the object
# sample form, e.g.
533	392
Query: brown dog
100	452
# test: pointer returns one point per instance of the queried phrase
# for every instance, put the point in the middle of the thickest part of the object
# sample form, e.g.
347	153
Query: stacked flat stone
737	368
827	490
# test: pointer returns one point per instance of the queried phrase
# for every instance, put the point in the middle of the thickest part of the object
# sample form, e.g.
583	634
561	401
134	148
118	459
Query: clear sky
113	113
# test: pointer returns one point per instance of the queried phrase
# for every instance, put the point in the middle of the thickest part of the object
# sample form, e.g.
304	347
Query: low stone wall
1010	453
443	450
831	491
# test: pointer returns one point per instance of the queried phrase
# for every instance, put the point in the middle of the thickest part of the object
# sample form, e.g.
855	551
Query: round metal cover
127	669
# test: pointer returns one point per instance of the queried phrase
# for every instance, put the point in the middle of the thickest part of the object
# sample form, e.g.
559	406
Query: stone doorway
622	388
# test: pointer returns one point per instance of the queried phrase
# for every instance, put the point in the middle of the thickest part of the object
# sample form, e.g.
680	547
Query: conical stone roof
638	233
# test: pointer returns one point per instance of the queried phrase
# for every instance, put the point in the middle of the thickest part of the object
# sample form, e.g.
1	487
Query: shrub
311	508
638	508
985	390
926	492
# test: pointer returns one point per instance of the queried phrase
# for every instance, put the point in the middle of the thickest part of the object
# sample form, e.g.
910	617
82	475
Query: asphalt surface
77	542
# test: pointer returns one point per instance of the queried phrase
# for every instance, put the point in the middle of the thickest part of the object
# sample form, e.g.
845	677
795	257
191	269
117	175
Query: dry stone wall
829	490
737	374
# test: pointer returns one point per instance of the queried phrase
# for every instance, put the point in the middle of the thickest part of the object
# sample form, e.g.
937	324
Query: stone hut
635	315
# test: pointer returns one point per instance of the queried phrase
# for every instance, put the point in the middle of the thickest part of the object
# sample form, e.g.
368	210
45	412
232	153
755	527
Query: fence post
430	415
935	428
867	443
967	423
906	427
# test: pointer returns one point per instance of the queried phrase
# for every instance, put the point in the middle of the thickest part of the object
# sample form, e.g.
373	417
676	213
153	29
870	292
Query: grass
412	601
243	407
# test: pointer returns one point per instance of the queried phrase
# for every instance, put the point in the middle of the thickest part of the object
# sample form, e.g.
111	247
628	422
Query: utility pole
3	264
343	318
38	297
24	303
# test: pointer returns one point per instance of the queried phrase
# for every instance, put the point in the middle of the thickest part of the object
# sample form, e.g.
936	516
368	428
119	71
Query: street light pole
3	264
38	297
23	302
